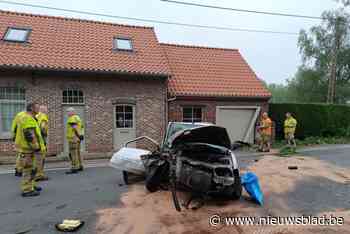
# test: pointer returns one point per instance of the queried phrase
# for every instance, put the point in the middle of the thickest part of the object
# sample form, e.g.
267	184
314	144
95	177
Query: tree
345	2
326	51
279	93
307	87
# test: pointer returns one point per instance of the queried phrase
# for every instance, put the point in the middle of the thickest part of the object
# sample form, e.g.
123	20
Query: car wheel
236	188
126	177
235	191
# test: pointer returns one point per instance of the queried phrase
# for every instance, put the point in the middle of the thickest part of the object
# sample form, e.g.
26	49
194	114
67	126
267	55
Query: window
73	96
192	114
122	44
124	116
12	101
17	34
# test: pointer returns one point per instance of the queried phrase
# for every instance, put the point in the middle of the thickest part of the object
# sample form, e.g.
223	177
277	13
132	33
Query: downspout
166	105
172	99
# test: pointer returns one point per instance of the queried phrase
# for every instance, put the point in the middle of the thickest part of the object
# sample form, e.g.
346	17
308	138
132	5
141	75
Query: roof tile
205	71
72	44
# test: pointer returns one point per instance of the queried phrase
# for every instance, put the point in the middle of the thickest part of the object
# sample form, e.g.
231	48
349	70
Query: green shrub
314	120
287	151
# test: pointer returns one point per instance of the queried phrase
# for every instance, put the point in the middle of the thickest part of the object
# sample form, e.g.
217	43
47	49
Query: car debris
69	225
193	157
128	159
293	167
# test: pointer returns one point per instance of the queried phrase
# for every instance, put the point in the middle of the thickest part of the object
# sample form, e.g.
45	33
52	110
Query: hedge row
313	119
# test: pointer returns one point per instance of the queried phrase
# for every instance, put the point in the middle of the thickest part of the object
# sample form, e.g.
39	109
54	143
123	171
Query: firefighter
19	167
43	122
29	143
74	136
290	125
265	129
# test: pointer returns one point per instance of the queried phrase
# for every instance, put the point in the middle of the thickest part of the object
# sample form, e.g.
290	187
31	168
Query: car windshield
176	127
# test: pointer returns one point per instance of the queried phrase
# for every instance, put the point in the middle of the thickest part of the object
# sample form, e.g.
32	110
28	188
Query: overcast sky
273	57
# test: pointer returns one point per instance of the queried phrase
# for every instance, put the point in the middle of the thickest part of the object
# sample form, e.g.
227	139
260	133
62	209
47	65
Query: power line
150	20
243	10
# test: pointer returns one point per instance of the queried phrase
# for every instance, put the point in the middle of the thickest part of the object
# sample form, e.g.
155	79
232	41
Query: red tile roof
59	43
211	72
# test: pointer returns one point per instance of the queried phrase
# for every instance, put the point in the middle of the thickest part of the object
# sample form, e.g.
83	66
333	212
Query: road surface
79	196
64	196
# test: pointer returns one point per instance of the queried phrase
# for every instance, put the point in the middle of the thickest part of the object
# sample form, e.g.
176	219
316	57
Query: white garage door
239	121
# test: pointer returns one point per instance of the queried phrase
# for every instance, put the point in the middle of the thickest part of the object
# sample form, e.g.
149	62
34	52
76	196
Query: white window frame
7	134
192	115
124	114
73	96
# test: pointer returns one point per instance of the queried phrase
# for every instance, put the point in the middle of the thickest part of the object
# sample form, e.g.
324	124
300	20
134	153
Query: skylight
123	44
17	34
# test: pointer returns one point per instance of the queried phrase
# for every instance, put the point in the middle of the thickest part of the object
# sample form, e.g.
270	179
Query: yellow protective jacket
15	123
27	122
290	125
43	121
74	120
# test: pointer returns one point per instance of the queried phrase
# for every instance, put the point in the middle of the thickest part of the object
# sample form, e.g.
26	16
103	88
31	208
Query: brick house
114	75
117	77
215	85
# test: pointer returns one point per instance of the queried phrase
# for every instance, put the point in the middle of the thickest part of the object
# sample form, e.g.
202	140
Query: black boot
72	171
43	178
31	194
81	168
37	188
17	173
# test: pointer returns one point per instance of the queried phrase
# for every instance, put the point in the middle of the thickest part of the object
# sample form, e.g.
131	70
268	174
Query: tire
237	186
152	183
156	176
126	177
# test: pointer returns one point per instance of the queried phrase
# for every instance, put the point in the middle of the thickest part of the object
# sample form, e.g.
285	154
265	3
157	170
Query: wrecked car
194	157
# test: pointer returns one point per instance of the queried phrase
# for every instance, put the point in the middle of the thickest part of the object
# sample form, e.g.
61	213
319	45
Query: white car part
129	159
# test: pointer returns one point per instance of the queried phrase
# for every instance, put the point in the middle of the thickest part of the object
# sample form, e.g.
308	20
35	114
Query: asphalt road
320	194
337	155
64	196
79	196
316	194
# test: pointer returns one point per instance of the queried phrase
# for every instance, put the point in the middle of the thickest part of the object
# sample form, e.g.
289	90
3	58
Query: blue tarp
250	183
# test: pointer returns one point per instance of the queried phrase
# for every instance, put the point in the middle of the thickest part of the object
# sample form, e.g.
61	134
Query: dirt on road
144	212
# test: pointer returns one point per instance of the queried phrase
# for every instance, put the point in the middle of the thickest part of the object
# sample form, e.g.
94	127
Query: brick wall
101	93
209	106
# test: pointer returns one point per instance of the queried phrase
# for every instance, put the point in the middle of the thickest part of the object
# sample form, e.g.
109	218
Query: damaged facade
120	79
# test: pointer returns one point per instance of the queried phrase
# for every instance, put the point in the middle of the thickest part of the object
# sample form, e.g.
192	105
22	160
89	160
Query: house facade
115	76
119	78
215	85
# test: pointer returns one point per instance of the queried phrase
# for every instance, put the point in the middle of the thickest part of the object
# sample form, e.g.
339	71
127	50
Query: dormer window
17	34
123	44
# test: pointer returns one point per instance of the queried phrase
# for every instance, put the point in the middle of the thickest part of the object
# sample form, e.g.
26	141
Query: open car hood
213	135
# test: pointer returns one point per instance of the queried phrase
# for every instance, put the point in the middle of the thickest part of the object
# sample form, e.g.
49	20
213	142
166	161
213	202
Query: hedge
313	119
